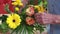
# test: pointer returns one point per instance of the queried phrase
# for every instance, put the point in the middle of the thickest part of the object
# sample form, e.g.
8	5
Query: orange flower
30	11
30	21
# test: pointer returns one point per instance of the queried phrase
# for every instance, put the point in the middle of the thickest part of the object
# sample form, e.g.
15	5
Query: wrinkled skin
47	18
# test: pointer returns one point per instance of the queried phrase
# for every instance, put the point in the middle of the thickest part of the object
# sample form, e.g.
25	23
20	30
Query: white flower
0	22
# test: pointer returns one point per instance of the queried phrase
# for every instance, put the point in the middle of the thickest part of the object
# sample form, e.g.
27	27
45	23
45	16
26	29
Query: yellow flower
42	9
36	6
39	8
20	4
16	8
13	21
17	2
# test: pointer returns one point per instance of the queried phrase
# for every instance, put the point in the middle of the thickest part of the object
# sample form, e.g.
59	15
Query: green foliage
39	27
7	8
0	18
4	27
45	4
31	2
23	29
4	17
39	2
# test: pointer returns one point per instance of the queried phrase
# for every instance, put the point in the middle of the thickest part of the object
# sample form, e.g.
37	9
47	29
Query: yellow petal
20	4
10	22
15	3
16	8
36	6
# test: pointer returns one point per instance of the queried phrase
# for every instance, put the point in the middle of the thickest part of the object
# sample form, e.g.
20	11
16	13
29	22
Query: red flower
2	6
30	11
30	21
7	1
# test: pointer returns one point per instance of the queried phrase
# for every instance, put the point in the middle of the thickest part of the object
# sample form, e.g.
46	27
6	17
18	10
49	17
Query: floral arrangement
22	18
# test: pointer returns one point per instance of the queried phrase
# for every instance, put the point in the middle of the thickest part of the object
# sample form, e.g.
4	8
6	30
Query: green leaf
30	29
23	30
39	27
0	18
4	27
31	2
39	2
45	4
7	8
4	17
19	28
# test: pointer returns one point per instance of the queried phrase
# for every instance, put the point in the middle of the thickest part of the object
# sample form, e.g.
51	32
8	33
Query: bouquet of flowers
22	20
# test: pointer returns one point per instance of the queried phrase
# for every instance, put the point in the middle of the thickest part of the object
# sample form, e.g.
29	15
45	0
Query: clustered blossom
30	21
30	11
21	16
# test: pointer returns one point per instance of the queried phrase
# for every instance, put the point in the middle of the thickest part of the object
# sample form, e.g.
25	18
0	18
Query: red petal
11	7
7	1
2	11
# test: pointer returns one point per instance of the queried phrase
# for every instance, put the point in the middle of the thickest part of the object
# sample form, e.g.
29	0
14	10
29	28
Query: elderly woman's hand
46	18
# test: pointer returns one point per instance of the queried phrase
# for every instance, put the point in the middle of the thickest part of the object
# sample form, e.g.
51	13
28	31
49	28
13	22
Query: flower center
13	20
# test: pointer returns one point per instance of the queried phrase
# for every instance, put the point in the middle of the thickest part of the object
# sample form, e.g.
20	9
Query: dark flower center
13	20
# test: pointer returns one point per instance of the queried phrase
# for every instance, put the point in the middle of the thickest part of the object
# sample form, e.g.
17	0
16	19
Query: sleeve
54	6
